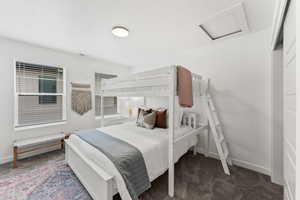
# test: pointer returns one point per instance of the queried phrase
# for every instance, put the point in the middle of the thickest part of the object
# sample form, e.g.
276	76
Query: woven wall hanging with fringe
81	98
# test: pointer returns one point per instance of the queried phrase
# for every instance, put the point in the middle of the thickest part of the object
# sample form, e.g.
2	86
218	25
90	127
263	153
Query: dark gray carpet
197	178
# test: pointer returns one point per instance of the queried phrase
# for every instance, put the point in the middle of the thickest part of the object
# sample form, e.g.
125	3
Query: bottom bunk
99	175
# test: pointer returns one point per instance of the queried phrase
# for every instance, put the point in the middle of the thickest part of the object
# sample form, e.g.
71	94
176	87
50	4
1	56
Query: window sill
110	116
23	128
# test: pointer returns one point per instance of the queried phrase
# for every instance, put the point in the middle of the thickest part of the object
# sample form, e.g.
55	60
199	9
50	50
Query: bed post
207	130
172	94
102	111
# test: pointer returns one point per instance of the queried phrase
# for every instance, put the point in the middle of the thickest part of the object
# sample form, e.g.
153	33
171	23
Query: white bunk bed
161	82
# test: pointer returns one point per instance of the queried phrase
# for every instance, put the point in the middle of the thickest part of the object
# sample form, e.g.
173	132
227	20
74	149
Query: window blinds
39	94
110	104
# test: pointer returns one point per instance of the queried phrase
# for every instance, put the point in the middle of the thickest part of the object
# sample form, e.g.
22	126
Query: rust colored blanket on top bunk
184	87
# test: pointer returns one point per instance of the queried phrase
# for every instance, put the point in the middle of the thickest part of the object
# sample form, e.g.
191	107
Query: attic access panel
226	23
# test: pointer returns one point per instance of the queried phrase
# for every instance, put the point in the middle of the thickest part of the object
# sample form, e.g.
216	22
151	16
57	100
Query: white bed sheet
153	144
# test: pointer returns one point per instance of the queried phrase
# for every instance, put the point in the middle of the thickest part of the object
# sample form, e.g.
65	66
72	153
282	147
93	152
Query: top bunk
149	83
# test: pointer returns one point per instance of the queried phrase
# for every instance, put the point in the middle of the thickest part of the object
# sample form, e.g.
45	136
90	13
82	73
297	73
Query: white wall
79	69
239	70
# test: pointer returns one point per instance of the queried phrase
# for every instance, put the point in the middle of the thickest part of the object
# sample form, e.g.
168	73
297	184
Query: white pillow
146	120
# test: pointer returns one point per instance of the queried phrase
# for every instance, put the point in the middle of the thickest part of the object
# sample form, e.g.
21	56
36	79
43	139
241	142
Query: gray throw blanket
127	159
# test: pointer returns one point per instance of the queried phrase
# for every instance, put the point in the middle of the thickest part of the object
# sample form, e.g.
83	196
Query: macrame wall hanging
81	98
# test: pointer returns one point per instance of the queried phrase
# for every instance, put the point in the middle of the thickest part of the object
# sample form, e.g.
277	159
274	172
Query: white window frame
110	116
17	126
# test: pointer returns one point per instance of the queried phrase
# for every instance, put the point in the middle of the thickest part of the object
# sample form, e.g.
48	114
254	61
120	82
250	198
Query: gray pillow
146	120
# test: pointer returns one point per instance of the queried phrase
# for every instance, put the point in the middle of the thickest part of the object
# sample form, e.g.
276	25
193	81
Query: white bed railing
151	83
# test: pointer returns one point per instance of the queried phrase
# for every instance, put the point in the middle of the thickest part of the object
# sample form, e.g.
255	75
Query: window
47	84
110	104
40	94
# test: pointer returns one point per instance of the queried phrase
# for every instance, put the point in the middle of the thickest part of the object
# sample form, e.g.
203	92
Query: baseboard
276	179
242	163
287	190
4	160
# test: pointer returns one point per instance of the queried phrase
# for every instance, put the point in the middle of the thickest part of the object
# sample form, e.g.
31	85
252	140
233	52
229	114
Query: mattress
153	144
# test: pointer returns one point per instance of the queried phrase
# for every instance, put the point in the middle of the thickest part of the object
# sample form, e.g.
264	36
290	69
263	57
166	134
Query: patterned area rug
55	181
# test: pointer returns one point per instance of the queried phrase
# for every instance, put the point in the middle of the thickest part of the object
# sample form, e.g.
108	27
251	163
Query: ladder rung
225	149
213	109
217	122
222	139
226	154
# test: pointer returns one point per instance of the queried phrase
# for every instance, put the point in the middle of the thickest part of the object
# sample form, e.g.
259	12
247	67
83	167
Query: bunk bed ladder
216	129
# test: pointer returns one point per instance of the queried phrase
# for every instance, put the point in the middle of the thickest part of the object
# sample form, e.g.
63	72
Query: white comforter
153	144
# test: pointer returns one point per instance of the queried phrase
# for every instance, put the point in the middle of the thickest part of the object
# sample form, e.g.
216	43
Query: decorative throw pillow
145	110
140	116
146	120
161	118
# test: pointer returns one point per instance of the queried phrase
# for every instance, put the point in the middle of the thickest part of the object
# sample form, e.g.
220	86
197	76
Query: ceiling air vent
226	23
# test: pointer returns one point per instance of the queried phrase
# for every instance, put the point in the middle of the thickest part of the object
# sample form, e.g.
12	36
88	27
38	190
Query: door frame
276	151
278	20
276	104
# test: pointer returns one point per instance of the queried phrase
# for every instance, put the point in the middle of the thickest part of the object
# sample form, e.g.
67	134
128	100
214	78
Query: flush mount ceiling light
120	31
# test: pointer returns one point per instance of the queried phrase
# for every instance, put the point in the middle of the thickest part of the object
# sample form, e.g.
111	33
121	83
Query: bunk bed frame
159	82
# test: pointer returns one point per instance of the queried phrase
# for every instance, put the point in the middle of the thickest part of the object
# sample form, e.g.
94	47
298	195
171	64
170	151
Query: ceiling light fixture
120	31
